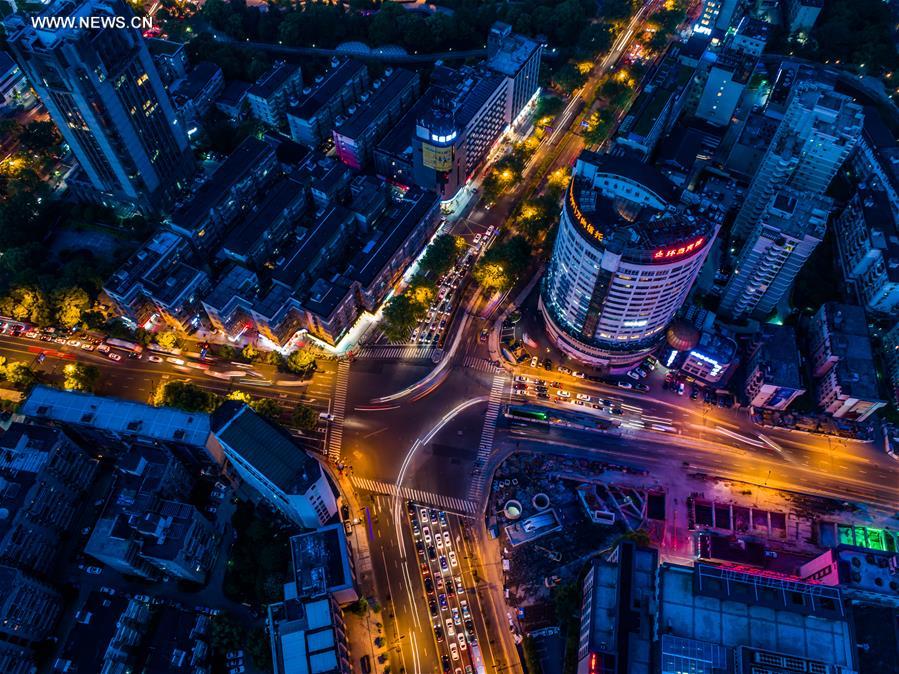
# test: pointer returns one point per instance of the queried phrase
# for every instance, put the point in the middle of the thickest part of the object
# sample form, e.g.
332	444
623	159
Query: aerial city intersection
455	337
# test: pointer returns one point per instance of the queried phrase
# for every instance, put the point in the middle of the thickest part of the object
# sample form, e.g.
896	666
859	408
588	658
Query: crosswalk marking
481	364
442	501
399	352
335	436
497	390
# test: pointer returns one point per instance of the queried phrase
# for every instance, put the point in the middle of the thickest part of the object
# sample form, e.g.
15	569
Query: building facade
270	96
624	260
773	380
819	130
311	117
105	95
786	234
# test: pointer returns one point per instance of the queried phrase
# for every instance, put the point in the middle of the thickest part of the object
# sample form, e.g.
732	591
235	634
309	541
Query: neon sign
675	251
585	224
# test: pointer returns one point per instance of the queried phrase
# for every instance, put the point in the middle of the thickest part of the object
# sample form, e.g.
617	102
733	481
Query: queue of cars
525	386
444	587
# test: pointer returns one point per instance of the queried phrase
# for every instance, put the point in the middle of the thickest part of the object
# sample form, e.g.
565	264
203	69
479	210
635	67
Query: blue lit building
104	93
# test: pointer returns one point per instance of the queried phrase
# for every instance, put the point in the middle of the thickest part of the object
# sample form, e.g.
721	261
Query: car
233	655
694	393
450	629
432	553
434	515
625	385
457	618
708	396
534	361
580	403
443	563
444	660
518	386
212	510
642	371
446	539
452	557
563	393
432	606
441	599
454	651
426	534
489	231
477	239
633	374
429	585
442	517
144	598
74	342
420	547
439	584
579	375
93	570
465	612
584	397
617	410
114	356
410	508
564	370
416	530
522	379
175	361
438	633
680	388
547	364
438	540
643	388
154	359
442	324
414	334
650	363
469	627
460	586
460	637
87	347
424	516
240	669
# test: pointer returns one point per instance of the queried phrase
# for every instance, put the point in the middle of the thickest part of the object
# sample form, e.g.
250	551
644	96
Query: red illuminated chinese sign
585	224
677	251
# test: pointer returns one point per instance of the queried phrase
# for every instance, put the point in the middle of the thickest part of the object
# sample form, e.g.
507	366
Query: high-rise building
819	130
102	89
625	258
789	229
516	57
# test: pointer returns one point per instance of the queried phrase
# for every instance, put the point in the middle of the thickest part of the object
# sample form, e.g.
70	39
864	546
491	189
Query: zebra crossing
398	352
480	364
450	503
335	436
497	390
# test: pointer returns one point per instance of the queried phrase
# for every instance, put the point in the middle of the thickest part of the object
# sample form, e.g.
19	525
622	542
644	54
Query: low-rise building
867	237
710	360
322	565
751	36
232	101
367	122
180	642
29	608
889	347
725	82
311	116
518	58
308	636
161	283
270	96
864	575
44	477
170	58
772	371
801	16
267	459
194	95
876	159
843	362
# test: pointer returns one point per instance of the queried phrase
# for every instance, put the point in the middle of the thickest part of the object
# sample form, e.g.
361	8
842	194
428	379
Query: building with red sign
626	256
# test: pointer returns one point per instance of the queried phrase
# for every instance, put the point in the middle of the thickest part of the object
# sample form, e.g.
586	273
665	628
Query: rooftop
273	80
320	561
299	261
514	51
118	416
303	638
779	356
382	96
265	446
198	79
325	87
283	196
752	27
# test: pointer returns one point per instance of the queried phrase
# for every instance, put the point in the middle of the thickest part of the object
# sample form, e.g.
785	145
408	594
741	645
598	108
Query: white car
460	637
579	375
633	374
114	356
74	342
324	416
87	347
446	539
454	651
94	570
625	384
426	534
584	397
450	630
563	394
154	359
460	586
438	541
477	239
423	513
104	348
175	361
522	379
452	557
534	361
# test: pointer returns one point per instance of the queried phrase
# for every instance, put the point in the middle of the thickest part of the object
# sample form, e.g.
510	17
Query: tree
81	377
266	407
491	276
503	264
27	303
401	315
69	305
167	339
568	78
186	396
301	362
250	353
304	418
227	635
20	375
40	137
440	255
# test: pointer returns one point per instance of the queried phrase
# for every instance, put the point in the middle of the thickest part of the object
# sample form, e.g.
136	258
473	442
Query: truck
124	344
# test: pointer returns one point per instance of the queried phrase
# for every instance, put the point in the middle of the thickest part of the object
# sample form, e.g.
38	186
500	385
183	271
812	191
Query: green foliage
569	77
440	255
359	607
27	303
40	137
856	32
501	266
226	634
168	339
535	217
401	315
21	376
301	362
186	396
250	353
304	418
81	377
259	561
548	106
266	407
